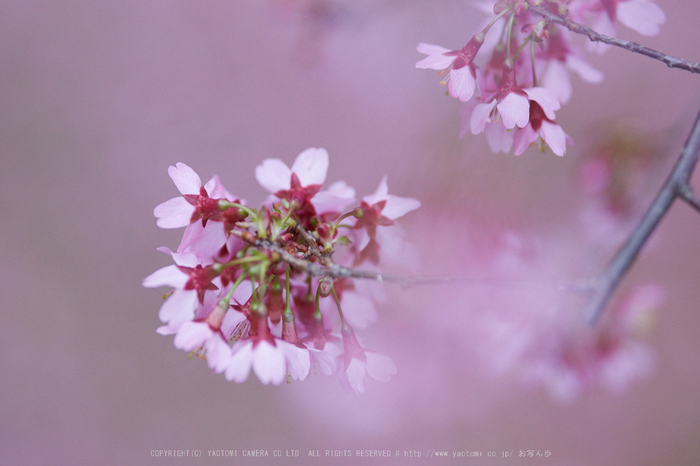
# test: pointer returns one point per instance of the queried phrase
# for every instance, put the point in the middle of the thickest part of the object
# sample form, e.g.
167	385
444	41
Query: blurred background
97	99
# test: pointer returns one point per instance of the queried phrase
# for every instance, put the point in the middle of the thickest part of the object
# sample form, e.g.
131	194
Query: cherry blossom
457	65
360	362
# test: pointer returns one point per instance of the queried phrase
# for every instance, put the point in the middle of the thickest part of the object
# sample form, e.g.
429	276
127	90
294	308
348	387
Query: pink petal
273	175
359	310
269	363
545	98
399	206
356	375
380	367
514	110
311	166
431	49
499	137
554	136
178	308
461	84
584	70
218	354
523	138
380	194
338	196
298	360
241	360
216	190
556	79
436	60
167	276
480	116
186	180
174	213
643	16
192	335
324	361
203	242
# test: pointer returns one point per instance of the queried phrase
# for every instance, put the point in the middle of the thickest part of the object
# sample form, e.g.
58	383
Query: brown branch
676	186
670	61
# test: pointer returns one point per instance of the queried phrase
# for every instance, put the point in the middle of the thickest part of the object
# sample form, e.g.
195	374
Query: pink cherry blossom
516	110
181	304
360	362
644	16
310	167
266	359
380	209
556	61
456	64
540	126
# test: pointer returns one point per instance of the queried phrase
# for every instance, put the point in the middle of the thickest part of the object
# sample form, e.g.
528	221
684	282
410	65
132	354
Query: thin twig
676	184
670	61
686	193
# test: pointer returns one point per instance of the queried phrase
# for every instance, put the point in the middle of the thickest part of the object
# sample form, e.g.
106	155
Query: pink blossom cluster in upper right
514	95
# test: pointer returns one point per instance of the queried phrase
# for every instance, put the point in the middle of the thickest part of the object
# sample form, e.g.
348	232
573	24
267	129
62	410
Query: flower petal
547	100
462	83
186	180
273	175
174	213
514	110
643	16
311	166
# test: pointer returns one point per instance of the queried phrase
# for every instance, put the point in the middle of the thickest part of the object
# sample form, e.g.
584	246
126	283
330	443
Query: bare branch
686	193
670	61
676	184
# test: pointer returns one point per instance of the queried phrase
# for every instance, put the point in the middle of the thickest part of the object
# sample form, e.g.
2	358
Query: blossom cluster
513	97
272	289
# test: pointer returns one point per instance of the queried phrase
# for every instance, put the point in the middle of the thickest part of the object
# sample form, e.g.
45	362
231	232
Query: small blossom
456	64
359	362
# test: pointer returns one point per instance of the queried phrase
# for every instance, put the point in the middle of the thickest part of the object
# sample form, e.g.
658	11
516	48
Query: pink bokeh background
99	98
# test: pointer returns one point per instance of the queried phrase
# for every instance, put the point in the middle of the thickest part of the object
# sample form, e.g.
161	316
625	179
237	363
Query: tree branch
670	61
676	185
686	193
